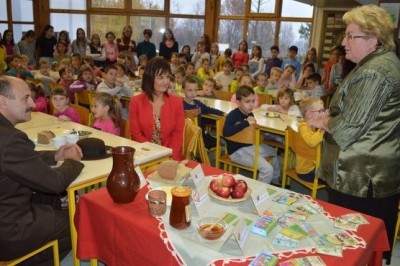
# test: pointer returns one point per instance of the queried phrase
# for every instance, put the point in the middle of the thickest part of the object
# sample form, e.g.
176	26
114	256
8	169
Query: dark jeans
383	208
61	232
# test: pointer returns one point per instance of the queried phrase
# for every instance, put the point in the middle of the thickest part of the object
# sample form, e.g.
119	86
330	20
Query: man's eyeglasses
318	111
350	37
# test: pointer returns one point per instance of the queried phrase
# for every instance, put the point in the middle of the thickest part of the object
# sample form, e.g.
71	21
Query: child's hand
64	118
251	120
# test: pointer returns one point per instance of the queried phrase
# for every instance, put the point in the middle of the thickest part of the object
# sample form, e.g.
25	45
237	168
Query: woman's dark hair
155	67
172	35
4	37
28	34
46	29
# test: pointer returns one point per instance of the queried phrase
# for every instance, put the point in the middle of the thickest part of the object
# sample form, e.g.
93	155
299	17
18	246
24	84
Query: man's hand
69	151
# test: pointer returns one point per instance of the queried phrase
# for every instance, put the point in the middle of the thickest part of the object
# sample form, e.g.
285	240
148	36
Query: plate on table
49	145
229	199
167	190
272	114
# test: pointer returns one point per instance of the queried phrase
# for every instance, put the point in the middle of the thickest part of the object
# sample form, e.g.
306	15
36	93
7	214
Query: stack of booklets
350	221
264	259
306	261
332	244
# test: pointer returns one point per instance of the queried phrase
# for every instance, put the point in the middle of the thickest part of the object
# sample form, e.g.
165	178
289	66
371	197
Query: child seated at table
238	72
85	80
107	112
62	110
111	85
288	78
44	75
76	62
314	86
205	70
209	86
66	79
224	78
190	88
237	120
262	82
245	80
179	75
310	107
286	103
307	70
38	97
17	69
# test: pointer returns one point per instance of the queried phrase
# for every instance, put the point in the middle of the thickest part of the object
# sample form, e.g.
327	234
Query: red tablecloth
127	235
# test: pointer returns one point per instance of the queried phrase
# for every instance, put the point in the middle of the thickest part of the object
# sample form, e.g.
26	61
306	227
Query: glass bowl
216	232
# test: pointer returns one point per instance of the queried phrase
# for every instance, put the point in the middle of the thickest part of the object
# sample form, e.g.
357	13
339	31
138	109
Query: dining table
125	234
146	155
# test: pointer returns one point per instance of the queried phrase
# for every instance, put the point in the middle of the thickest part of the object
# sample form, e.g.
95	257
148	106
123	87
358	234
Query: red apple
215	184
224	192
238	193
241	184
228	180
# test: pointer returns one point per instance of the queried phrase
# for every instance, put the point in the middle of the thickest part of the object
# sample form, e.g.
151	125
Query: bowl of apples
226	188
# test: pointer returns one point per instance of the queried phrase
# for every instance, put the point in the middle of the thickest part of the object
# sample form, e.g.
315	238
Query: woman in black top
168	45
45	44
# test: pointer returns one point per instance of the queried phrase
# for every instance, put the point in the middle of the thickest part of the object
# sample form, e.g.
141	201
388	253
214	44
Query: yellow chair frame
84	97
249	135
84	114
264	99
56	256
294	144
193	142
223	95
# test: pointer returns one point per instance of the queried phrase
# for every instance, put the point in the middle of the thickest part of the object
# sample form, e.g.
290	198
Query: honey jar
179	216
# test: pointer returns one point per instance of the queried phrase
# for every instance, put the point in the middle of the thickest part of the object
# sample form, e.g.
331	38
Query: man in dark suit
29	213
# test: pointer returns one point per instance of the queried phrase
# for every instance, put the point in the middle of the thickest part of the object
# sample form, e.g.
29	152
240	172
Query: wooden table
276	125
96	171
127	235
39	119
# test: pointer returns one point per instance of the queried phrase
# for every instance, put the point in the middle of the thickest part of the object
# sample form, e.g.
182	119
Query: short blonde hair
373	21
307	103
277	70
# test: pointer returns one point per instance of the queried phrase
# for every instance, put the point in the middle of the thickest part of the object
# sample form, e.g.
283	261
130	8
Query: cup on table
157	200
59	141
72	138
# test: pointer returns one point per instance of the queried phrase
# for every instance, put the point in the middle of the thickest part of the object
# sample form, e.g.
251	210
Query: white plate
50	145
272	114
167	190
230	199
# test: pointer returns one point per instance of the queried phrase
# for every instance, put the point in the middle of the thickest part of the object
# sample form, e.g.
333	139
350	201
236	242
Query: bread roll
45	136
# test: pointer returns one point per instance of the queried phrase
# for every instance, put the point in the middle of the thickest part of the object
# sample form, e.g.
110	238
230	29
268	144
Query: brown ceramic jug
123	183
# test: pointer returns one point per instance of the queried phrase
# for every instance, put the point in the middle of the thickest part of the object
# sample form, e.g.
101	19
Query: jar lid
181	191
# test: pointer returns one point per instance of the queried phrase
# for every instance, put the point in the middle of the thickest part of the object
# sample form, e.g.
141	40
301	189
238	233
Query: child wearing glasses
310	107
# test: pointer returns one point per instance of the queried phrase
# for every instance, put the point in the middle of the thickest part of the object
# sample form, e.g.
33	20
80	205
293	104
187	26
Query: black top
235	121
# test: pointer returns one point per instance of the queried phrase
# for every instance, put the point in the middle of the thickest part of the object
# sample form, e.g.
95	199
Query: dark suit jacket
24	225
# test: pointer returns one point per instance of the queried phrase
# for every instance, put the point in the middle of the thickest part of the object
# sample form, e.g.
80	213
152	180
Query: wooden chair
223	95
84	98
53	244
264	99
125	129
294	144
84	114
193	145
249	135
192	115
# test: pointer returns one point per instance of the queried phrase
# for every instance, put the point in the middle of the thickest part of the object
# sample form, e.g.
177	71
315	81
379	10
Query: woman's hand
69	151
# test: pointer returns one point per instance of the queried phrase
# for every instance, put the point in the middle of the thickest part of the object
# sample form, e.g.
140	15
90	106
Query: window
263	6
191	7
108	3
148	4
68	5
261	33
187	31
68	22
258	24
156	24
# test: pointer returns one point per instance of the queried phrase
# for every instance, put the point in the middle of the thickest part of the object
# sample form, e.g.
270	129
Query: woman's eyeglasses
349	36
318	111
